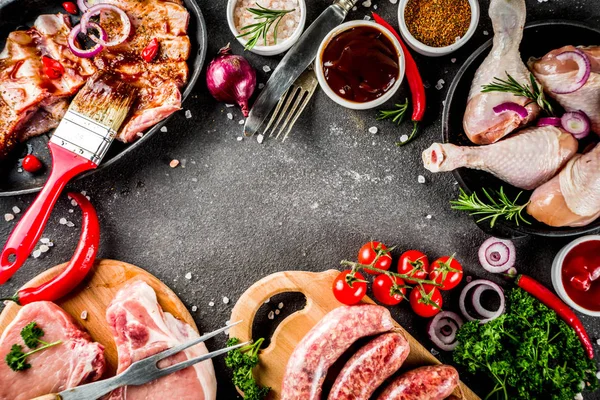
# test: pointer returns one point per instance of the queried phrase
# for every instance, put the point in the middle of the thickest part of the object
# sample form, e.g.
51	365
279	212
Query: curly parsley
242	361
31	334
528	352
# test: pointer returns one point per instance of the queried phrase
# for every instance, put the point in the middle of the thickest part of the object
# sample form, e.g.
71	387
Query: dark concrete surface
241	210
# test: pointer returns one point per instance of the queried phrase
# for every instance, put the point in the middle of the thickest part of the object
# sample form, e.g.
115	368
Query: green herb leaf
260	29
396	115
16	358
493	209
534	92
31	335
242	361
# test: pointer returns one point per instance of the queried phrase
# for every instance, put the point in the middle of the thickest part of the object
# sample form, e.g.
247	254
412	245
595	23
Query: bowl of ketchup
576	274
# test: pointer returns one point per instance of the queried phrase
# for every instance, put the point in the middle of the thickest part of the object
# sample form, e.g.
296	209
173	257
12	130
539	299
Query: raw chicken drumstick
555	74
525	160
572	198
481	124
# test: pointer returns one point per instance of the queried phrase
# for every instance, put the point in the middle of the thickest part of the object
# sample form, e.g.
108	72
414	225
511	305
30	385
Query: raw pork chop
75	361
141	329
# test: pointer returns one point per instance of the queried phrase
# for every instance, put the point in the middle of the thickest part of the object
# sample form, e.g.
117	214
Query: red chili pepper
150	51
70	7
79	266
31	163
415	82
52	68
552	301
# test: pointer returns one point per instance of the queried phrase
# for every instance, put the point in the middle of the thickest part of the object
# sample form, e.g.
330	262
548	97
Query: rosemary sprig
493	209
396	115
259	30
534	92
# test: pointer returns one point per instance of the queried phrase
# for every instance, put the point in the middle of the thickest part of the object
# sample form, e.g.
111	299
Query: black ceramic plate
538	39
16	14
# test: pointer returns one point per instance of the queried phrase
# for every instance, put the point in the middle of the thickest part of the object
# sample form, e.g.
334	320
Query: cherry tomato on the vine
368	254
426	301
31	163
349	290
415	264
386	292
446	271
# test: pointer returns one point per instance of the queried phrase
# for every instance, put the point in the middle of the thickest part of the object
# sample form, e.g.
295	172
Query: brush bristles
106	99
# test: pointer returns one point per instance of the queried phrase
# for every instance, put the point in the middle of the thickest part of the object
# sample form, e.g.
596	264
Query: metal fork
292	103
142	371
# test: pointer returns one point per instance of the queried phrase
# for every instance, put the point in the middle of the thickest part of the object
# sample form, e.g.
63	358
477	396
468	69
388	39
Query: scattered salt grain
226	300
367	18
434	352
229	116
174	163
8	217
240	138
188	276
453	60
241	122
71	211
188	114
194	308
45	240
373	130
486	33
267	69
366	3
428	216
426	85
229	105
394	1
277	312
70	224
62	221
44	248
83	315
271	315
73	203
211	303
183	162
440	84
354	8
16	210
280	306
469	279
421	179
374	6
261	85
403	138
598	342
260	138
19	170
268	300
36	253
83	192
50	244
164	129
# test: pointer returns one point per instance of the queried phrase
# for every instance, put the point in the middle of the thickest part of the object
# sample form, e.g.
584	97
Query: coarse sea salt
260	138
421	179
261	85
285	28
229	115
211	303
225	300
188	114
188	276
8	217
16	210
373	130
267	69
164	129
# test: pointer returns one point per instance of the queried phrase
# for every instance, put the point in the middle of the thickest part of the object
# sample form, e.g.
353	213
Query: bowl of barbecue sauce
360	65
576	274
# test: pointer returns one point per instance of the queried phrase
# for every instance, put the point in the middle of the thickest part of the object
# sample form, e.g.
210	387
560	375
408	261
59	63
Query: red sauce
360	64
581	265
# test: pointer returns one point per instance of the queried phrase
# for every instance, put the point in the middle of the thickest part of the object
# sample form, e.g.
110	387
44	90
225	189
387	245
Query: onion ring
96	10
493	286
85	53
497	255
583	74
439	323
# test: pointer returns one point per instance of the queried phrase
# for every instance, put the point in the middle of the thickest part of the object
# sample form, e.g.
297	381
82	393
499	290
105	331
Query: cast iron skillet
17	14
539	38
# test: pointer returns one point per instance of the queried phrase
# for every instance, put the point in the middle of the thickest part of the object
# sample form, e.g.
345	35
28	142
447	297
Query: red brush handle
20	244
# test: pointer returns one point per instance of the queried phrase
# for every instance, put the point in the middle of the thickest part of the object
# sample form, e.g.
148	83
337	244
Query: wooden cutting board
94	295
319	301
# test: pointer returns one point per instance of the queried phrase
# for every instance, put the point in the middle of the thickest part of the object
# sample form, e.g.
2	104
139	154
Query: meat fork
295	100
142	371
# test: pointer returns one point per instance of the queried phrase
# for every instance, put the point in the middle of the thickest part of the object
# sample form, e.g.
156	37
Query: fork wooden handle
53	396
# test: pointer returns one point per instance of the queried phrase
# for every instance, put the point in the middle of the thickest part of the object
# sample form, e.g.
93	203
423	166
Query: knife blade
295	62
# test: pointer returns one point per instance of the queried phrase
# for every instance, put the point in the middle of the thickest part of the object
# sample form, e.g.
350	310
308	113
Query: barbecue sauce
580	274
360	64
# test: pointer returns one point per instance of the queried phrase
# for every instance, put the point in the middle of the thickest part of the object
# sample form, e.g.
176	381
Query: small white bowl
281	46
437	51
557	280
352	104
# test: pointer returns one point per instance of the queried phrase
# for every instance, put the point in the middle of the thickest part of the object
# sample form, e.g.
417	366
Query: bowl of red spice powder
437	27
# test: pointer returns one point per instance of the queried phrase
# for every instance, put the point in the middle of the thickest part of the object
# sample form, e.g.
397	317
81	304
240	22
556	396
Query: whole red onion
231	79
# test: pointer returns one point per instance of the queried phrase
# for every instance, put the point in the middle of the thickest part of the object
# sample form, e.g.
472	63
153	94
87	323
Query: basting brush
78	144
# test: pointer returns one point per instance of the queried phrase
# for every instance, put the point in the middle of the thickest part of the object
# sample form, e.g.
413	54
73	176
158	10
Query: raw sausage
425	383
369	367
325	343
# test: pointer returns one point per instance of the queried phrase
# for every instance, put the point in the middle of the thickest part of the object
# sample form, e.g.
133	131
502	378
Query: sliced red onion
463	297
442	330
86	53
83	5
583	74
577	123
510	106
476	299
96	10
497	255
549	121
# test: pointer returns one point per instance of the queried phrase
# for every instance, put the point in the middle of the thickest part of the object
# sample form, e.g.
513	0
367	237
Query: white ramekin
278	48
557	280
437	51
333	95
